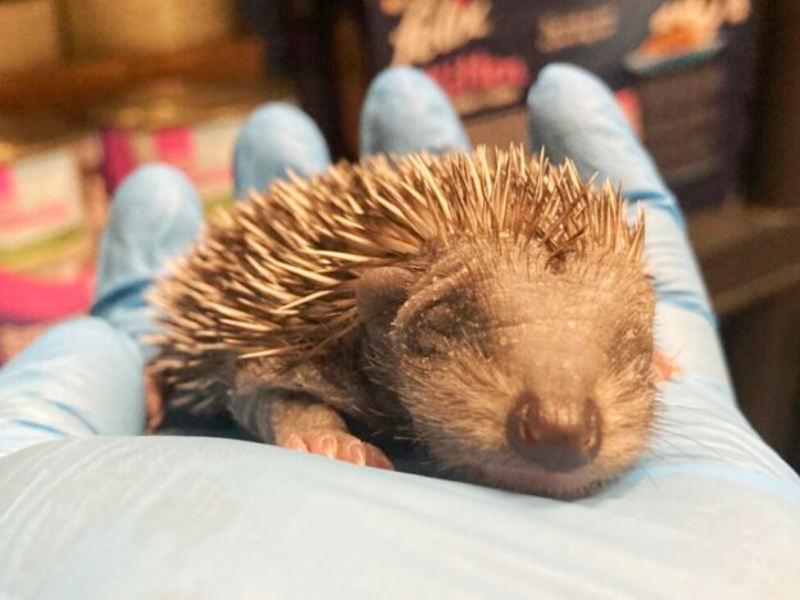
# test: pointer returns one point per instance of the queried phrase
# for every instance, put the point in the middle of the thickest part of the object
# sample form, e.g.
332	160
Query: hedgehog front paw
154	404
339	445
664	368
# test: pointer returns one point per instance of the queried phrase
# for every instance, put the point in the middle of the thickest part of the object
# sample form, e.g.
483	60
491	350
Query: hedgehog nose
557	436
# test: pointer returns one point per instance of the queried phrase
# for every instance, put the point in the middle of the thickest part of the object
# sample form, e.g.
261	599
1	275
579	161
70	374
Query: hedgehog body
492	308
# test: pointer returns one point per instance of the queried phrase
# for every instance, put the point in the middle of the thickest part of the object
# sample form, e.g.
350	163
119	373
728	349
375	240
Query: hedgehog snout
559	435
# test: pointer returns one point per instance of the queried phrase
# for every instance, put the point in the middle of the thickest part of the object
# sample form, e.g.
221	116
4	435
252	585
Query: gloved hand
85	377
711	511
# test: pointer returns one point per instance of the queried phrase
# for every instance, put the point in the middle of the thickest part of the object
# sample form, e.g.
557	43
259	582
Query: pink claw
339	445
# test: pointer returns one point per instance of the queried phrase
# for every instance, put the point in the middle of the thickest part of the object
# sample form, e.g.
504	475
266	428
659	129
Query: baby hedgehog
491	308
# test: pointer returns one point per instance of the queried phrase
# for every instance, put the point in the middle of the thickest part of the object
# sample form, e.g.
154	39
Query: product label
452	40
677	66
203	151
561	30
41	207
428	28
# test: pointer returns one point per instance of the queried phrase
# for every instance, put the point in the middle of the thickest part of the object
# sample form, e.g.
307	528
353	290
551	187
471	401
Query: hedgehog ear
380	292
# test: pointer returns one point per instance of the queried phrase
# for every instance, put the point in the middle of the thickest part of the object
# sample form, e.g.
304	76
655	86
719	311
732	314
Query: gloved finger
277	137
154	216
83	377
697	421
405	111
573	114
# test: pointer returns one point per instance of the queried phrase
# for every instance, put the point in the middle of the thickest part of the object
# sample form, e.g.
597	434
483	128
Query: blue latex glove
711	512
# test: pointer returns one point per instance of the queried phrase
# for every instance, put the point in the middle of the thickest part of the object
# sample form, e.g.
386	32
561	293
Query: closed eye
451	320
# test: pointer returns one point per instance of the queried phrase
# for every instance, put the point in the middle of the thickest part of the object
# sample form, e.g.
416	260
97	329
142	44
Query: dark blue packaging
679	68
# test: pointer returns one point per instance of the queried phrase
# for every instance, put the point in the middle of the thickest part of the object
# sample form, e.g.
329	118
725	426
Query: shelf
750	258
71	88
747	254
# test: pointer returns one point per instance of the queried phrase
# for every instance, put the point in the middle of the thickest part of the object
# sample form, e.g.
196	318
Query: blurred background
91	88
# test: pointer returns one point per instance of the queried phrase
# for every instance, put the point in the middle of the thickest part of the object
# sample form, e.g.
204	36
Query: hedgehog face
525	378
